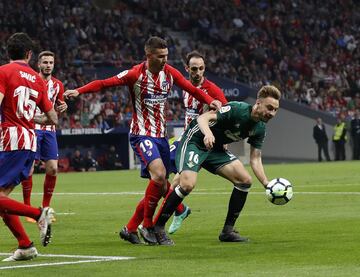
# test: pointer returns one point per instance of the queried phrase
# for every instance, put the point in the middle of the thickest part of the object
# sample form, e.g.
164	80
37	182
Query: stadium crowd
311	53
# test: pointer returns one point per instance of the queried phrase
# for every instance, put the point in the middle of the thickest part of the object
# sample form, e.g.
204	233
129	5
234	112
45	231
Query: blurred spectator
355	134
112	159
77	161
90	163
339	139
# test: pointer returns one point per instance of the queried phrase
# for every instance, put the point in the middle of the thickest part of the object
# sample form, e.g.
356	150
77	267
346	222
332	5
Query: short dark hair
18	45
46	53
193	54
155	43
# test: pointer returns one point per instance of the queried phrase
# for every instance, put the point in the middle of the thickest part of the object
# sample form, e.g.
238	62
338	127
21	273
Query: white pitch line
65	213
197	193
93	259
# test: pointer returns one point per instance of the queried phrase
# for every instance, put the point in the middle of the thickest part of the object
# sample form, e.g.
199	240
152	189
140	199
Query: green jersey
233	123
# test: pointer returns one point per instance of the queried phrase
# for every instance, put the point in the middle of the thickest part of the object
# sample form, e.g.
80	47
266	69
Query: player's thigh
190	157
49	146
152	158
15	167
235	172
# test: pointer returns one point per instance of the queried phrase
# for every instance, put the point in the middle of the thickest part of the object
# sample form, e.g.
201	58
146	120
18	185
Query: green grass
313	235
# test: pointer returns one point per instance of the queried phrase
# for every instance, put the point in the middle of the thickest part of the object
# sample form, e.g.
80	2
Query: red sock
170	190
49	186
26	188
137	217
10	206
180	209
14	224
153	194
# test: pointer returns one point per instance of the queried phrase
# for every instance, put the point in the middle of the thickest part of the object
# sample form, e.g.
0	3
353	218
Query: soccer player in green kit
202	146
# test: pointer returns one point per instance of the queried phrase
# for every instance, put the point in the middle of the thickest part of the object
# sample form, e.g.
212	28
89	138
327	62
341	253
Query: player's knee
51	170
246	179
187	184
159	177
243	186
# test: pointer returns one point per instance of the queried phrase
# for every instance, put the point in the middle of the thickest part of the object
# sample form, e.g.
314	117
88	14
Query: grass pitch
315	234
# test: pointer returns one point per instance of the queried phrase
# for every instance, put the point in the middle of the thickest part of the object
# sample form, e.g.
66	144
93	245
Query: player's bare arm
1	98
48	118
257	166
203	122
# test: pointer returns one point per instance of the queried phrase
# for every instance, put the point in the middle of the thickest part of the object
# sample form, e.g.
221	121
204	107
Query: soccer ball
279	191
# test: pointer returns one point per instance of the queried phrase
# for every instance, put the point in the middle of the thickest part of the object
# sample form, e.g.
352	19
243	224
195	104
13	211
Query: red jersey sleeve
44	104
180	80
123	78
61	92
216	93
2	81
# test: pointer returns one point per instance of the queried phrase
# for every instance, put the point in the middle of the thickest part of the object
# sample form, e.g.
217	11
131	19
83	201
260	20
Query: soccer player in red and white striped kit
149	84
47	147
21	91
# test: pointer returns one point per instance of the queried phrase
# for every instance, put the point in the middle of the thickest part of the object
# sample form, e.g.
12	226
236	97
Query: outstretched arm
257	166
94	86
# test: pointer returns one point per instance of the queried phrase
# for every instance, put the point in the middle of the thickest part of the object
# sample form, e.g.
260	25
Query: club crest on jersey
165	85
225	109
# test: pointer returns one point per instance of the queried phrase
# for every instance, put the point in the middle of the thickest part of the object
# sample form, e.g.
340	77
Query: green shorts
191	157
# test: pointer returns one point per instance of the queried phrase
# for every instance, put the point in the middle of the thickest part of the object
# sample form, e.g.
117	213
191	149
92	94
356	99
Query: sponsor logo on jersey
122	74
165	85
225	109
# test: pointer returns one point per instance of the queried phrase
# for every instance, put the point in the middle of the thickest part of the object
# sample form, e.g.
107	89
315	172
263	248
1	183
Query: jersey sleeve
44	103
228	113
61	92
180	80
123	78
258	138
216	93
2	82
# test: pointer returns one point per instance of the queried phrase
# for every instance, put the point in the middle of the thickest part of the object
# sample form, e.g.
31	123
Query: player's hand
70	93
215	105
209	141
226	147
61	106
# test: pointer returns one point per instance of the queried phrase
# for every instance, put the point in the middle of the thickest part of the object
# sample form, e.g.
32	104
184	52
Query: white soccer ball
279	191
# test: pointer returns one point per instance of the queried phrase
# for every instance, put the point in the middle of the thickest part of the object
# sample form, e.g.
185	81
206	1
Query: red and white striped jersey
149	93
23	90
55	91
193	108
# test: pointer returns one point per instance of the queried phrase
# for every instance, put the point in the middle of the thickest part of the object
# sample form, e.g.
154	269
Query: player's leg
27	185
51	169
236	173
49	154
152	167
15	167
188	161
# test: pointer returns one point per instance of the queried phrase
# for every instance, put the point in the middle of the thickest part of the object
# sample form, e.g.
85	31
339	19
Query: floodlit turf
316	234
